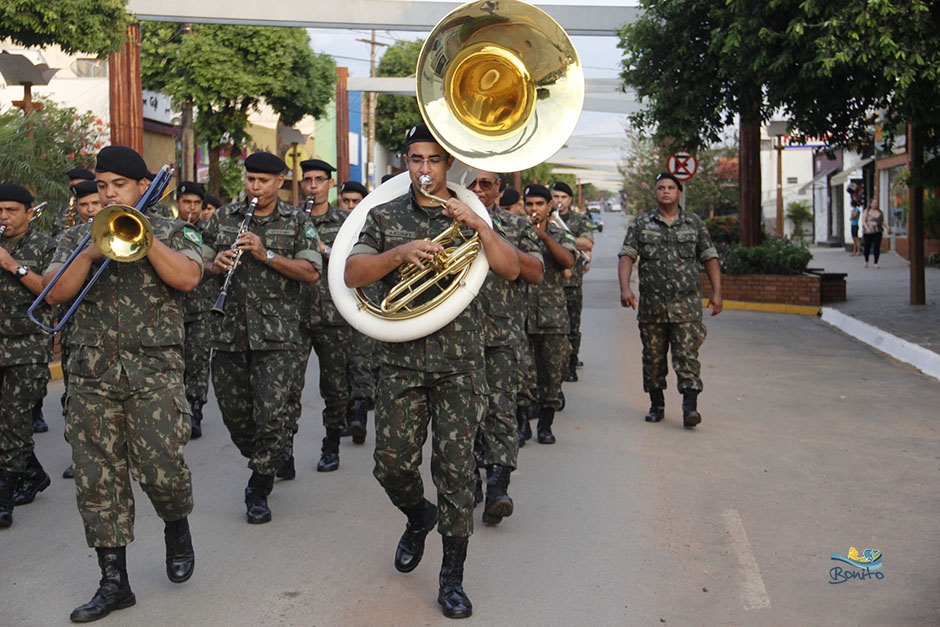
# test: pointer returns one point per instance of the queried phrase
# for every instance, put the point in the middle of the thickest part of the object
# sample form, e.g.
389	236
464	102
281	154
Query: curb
740	305
921	358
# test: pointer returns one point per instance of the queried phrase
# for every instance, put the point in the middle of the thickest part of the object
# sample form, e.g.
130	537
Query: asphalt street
811	443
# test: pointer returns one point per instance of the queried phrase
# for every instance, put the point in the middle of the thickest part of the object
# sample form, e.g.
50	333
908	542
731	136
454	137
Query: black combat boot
68	473
329	452
498	504
32	481
256	497
39	425
544	427
285	468
114	591
572	369
196	421
690	415
531	413
421	519
657	406
180	557
8	482
452	598
578	362
357	416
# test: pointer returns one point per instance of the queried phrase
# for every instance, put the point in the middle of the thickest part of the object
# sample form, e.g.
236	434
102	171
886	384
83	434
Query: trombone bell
122	233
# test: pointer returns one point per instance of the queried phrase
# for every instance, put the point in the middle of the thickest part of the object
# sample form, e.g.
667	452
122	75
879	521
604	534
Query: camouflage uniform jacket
21	341
670	259
581	226
131	322
547	310
503	301
196	304
458	346
317	304
261	310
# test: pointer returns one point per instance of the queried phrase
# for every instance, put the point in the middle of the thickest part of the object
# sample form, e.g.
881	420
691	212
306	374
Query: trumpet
219	307
122	233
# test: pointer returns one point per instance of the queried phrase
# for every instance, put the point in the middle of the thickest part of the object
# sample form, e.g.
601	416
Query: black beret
85	188
561	186
188	187
353	186
80	173
122	161
265	163
388	177
16	193
537	190
672	177
509	198
419	133
316	164
211	200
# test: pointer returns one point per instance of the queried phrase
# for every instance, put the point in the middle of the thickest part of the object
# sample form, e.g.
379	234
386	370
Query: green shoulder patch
192	235
310	232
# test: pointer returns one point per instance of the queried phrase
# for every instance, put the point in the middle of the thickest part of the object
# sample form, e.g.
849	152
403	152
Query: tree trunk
187	143
749	207
915	218
215	173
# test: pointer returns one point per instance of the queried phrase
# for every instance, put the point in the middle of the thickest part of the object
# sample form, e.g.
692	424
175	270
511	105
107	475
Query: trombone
121	232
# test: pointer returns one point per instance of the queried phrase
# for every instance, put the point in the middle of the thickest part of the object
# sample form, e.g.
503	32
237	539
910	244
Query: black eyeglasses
415	160
485	184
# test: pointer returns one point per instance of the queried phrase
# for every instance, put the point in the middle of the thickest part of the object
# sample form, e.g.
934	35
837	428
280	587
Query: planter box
930	246
812	289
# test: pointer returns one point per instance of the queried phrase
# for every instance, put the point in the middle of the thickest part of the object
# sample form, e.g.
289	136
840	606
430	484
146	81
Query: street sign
289	157
682	165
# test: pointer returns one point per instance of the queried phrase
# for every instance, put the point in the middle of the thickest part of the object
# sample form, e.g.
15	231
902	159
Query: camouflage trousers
117	432
549	355
684	339
196	355
499	428
407	402
331	344
574	297
527	381
21	387
363	367
254	392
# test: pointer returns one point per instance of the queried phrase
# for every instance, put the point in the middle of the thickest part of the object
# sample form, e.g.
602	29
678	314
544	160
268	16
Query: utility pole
187	137
370	142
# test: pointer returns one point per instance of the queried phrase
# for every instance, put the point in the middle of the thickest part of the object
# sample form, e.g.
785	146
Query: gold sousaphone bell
122	233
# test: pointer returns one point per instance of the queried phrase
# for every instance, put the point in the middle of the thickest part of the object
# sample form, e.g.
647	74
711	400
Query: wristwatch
21	271
269	256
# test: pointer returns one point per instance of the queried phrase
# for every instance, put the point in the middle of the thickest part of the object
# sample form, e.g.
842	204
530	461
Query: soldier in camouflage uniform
196	306
546	314
25	350
126	410
66	216
322	328
503	331
256	342
671	244
582	228
438	379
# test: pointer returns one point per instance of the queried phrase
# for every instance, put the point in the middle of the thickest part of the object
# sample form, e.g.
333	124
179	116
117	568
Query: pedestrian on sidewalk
853	221
873	225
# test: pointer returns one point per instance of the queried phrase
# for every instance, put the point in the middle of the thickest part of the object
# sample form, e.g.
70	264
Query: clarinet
219	307
308	205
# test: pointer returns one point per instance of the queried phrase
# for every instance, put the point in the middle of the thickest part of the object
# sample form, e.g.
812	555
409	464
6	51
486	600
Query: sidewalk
878	310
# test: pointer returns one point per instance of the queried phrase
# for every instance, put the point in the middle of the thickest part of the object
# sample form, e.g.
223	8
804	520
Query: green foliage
541	173
231	178
772	256
798	212
310	84
396	114
933	259
89	26
712	186
723	229
932	215
40	147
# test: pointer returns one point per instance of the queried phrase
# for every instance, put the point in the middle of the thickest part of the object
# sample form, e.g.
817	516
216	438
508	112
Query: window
791	180
89	68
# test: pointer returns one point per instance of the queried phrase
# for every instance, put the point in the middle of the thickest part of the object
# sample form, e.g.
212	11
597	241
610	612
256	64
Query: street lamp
778	129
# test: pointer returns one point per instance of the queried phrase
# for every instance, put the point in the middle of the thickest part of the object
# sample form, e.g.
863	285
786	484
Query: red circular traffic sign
682	165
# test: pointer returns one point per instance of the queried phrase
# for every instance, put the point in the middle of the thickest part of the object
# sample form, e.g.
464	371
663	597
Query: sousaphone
500	86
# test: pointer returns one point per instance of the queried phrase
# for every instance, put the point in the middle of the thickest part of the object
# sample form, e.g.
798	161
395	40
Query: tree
90	26
698	64
225	71
396	114
40	147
